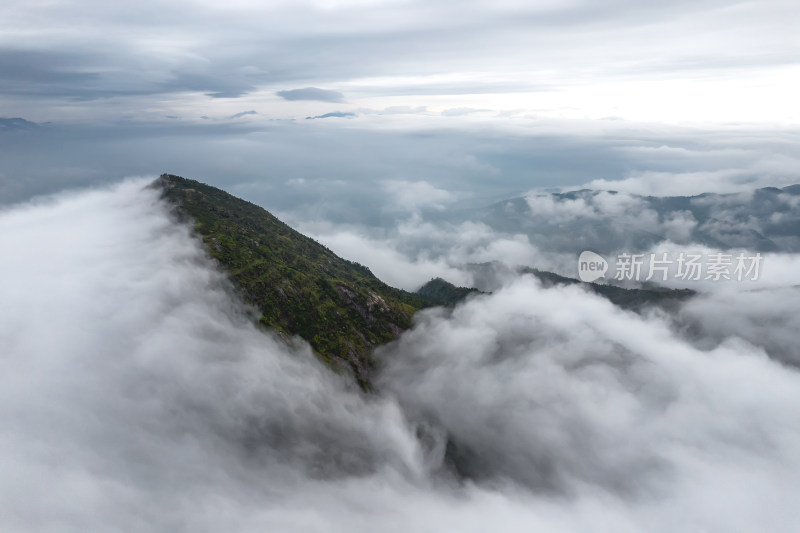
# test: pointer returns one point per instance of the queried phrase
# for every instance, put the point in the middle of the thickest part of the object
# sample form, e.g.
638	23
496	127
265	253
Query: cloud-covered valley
138	396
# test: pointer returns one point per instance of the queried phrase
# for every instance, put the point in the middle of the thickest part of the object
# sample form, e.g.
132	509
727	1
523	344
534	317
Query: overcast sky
681	60
484	99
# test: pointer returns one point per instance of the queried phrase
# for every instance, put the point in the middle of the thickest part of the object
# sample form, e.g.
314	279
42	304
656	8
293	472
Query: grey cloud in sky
333	114
88	75
118	73
245	113
216	84
312	93
46	73
91	49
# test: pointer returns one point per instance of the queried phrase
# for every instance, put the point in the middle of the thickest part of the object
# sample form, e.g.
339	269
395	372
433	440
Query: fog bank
137	396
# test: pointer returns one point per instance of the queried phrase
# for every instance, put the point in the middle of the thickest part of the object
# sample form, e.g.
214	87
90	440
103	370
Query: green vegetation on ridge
300	286
635	299
441	292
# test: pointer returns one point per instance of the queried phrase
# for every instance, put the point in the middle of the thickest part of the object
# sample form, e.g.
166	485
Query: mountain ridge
303	288
300	286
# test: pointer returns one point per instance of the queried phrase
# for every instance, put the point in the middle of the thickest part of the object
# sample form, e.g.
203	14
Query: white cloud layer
622	423
137	396
417	250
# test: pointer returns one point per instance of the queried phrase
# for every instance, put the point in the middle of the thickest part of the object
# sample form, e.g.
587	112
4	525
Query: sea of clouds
137	395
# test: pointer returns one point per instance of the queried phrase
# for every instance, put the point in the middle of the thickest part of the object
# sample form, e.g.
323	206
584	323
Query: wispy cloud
312	93
244	113
333	114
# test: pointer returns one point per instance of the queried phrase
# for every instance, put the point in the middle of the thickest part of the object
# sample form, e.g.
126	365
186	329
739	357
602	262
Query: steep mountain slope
301	287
